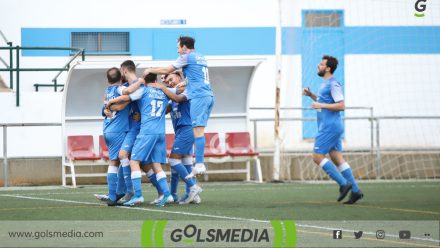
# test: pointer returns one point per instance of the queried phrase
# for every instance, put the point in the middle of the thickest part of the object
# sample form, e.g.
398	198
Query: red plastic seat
103	148
170	142
239	144
81	148
212	146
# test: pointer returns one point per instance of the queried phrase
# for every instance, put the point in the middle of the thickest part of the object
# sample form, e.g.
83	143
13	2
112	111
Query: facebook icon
337	234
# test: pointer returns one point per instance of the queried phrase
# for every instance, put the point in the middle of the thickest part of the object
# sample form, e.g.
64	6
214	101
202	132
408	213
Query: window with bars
322	19
101	42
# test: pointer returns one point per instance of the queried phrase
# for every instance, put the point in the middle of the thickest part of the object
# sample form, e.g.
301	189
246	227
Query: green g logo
420	7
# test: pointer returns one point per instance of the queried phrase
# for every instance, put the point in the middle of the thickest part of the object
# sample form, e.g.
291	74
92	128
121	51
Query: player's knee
157	168
199	131
114	163
176	156
123	155
317	158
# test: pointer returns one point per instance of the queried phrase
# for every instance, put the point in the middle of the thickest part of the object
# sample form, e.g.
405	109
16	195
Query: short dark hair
113	75
187	41
150	78
332	62
129	64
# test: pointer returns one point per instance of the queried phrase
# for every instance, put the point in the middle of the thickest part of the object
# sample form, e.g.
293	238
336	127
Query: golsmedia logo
420	7
206	234
192	234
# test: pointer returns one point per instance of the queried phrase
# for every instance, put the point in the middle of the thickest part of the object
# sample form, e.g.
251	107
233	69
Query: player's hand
316	105
181	84
307	92
109	103
158	86
146	72
108	113
136	116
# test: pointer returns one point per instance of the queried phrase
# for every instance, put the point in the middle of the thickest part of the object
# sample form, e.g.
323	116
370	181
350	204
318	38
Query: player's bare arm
307	92
170	95
160	70
120	99
133	87
118	106
339	106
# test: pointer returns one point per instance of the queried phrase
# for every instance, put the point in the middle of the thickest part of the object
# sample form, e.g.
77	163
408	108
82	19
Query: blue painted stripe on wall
161	43
53	37
374	40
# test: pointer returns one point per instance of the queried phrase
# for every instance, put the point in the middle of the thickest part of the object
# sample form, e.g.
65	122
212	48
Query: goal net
388	67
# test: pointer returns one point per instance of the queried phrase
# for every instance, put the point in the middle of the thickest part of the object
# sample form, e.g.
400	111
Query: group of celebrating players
134	127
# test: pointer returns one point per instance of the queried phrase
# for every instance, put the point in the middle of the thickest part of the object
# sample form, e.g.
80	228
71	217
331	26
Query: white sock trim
343	167
323	162
150	173
187	161
160	175
125	162
174	161
112	169
136	174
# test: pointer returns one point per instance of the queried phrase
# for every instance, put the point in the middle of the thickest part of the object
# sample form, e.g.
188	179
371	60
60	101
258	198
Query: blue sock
200	149
153	180
189	169
348	175
181	170
136	177
125	164
334	174
112	181
162	181
174	182
120	188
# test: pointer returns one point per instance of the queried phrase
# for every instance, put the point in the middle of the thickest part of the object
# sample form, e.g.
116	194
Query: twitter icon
358	235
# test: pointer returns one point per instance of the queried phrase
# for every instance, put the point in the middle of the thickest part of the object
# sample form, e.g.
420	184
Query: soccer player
200	96
329	103
128	71
149	147
182	151
115	129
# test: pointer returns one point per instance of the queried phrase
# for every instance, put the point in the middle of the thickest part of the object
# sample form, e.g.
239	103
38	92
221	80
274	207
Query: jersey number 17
156	108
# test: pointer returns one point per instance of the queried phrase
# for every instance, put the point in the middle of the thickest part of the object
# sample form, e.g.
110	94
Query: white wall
35	108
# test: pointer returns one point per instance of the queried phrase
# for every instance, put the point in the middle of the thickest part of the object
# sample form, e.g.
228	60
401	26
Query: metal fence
5	142
375	132
17	69
375	147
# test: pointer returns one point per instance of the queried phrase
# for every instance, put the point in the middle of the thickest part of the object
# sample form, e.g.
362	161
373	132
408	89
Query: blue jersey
134	126
152	104
330	121
195	70
119	122
180	114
